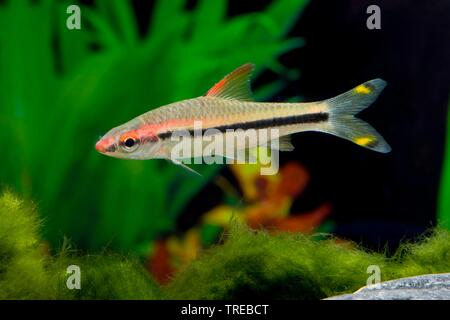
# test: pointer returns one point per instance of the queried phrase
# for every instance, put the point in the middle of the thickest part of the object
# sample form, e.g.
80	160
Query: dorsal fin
235	85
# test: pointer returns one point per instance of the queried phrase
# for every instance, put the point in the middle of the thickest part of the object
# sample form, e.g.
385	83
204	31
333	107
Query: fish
229	106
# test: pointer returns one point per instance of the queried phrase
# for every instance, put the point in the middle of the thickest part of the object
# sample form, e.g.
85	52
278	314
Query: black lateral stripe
266	123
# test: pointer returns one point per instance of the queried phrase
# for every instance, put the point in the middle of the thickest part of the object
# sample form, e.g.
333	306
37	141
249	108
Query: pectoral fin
181	164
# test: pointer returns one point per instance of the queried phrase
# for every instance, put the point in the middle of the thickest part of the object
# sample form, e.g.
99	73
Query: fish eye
129	144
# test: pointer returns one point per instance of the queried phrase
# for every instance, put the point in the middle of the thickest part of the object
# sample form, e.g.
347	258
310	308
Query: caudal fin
343	123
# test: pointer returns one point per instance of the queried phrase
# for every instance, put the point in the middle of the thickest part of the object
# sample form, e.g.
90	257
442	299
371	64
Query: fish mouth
104	147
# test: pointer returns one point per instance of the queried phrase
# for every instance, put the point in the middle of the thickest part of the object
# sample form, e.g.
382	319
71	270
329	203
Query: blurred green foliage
444	192
61	89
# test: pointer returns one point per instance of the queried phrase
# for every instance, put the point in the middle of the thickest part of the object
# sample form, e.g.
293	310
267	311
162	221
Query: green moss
248	264
27	273
22	273
104	277
294	266
431	255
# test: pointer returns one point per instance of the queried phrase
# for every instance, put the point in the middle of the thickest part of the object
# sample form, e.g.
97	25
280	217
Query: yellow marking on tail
365	140
362	89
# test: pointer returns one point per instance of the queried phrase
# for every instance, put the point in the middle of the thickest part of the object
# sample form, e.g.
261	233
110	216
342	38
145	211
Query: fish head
130	141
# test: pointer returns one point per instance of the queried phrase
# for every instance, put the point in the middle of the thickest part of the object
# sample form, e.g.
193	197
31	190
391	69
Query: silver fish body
227	107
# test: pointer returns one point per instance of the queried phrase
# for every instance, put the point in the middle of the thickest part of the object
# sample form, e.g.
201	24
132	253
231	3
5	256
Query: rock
425	287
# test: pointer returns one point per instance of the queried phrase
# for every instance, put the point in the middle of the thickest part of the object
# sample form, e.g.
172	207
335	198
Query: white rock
425	287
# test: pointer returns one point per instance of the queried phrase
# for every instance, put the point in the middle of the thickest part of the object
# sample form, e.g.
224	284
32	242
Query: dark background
386	197
378	199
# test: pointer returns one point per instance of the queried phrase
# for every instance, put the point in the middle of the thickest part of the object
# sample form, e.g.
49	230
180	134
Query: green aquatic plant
62	89
27	272
248	264
106	276
444	191
295	266
22	273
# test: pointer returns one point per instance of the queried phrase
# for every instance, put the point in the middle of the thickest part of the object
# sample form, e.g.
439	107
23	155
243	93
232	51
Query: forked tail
344	124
